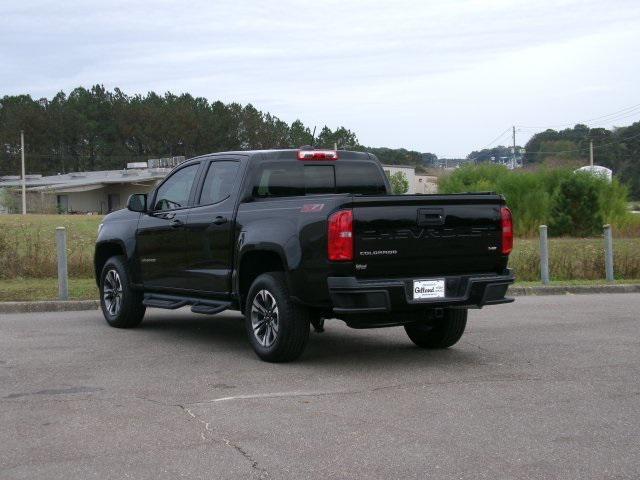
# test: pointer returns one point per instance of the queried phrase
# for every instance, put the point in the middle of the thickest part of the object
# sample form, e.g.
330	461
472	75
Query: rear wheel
278	329
442	333
121	306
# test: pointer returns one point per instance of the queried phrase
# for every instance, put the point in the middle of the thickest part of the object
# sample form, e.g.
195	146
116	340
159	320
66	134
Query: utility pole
513	161
591	152
24	181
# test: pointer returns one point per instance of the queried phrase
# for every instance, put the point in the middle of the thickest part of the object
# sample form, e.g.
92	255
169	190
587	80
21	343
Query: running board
198	305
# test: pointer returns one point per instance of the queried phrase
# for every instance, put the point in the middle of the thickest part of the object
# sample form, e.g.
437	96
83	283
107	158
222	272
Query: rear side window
219	181
288	179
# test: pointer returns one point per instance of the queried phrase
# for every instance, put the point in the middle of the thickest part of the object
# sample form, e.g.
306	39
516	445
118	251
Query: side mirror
137	202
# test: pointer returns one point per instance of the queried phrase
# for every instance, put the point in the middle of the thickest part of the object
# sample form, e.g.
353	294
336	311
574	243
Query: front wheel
278	329
442	333
121	306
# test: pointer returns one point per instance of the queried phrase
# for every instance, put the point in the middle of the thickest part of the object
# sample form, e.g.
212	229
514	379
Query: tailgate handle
430	216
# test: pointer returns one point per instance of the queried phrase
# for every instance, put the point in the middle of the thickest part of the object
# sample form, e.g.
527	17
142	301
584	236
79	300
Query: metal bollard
544	255
63	274
608	253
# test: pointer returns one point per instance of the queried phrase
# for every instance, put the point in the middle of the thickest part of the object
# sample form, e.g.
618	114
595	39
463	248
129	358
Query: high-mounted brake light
506	222
317	155
340	229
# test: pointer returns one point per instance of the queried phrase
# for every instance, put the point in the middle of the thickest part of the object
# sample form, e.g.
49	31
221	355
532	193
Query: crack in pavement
208	435
208	432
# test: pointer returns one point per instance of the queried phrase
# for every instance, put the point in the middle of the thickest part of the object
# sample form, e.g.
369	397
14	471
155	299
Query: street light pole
24	181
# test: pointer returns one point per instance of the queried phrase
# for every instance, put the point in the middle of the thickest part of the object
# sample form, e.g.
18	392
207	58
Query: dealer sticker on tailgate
428	289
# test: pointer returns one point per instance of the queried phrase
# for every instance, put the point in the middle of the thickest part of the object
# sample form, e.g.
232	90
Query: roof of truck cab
282	154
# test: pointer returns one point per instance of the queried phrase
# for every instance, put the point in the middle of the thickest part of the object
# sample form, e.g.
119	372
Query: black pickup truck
293	237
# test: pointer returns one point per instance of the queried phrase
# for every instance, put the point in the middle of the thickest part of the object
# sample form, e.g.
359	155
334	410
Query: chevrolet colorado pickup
293	237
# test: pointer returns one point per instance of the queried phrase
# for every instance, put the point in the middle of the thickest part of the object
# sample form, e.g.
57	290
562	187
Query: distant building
84	192
408	171
425	184
451	163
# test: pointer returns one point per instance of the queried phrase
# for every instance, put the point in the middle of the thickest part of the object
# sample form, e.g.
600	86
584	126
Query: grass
576	259
27	251
28	245
30	289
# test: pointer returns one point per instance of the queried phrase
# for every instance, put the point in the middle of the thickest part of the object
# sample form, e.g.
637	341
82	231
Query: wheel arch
103	252
254	263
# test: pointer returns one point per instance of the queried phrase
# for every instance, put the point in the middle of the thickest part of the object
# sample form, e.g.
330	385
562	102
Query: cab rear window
288	179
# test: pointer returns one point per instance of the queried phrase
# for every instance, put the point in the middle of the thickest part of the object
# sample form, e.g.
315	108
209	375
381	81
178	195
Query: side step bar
198	305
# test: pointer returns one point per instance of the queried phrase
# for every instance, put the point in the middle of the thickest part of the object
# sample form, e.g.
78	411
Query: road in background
546	387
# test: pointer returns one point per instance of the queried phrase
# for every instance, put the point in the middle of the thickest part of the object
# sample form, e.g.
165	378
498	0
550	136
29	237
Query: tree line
617	149
98	129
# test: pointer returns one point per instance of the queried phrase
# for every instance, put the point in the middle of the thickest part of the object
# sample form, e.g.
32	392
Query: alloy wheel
112	292
264	318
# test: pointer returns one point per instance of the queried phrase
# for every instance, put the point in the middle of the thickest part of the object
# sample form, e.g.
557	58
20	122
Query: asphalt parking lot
548	387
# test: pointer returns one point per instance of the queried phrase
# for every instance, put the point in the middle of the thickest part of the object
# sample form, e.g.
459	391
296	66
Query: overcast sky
437	76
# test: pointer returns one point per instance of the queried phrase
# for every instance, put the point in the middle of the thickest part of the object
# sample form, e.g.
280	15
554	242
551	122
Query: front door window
174	192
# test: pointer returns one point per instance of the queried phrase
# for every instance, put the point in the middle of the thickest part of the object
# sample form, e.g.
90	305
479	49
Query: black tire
287	331
442	333
130	311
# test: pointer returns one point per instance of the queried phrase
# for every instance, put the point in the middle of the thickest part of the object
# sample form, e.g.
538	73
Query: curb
49	306
572	290
79	305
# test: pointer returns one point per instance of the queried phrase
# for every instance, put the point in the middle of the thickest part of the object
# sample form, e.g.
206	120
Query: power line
617	115
496	139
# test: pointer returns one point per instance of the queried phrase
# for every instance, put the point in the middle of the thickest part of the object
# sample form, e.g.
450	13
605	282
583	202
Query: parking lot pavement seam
293	394
258	396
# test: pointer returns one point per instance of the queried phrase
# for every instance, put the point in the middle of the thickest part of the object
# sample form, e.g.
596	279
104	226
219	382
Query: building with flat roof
79	192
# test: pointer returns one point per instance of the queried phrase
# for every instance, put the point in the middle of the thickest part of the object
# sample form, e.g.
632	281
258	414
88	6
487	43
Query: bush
539	197
399	183
576	210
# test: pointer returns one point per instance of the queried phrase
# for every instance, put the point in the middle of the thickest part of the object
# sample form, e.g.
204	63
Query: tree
341	138
399	183
299	135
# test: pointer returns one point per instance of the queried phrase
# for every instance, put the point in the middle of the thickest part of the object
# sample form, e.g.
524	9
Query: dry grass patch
576	258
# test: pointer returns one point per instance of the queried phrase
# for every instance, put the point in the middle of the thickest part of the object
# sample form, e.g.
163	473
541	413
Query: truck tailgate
427	235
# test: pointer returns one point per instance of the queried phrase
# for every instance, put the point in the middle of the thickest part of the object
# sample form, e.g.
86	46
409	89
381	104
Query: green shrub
399	183
571	203
576	209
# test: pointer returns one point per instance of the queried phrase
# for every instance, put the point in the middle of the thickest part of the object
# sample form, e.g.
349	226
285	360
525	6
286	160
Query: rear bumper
350	295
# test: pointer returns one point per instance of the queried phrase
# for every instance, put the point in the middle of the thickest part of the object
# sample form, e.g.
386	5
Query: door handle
168	216
176	223
220	220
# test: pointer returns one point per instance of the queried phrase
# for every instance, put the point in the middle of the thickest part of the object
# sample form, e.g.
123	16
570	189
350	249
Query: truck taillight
317	155
507	230
340	236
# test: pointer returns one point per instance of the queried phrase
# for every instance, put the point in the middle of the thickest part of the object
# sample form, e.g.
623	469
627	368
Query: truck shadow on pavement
337	346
